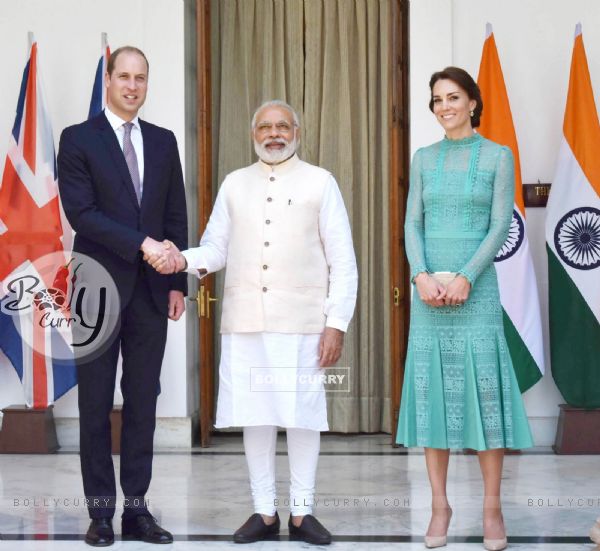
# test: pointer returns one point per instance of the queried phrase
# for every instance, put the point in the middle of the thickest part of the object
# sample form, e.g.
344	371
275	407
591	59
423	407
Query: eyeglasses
267	127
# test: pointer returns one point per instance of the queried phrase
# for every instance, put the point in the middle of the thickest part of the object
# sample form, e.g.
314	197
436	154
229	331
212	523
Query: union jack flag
98	101
30	228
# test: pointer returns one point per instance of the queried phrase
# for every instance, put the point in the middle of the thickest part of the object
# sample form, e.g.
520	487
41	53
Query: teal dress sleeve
500	217
414	227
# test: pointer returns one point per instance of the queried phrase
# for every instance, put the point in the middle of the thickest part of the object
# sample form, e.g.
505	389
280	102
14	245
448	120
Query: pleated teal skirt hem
467	400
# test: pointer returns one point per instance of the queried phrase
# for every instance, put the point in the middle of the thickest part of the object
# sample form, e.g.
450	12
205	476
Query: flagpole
488	30
104	41
30	40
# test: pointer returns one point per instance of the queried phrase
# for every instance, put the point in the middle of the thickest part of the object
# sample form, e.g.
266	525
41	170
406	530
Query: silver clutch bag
444	277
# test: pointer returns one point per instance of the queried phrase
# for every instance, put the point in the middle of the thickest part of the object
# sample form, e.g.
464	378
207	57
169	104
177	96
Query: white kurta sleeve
336	236
211	255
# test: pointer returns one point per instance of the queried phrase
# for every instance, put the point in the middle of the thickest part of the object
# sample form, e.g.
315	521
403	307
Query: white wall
68	34
534	40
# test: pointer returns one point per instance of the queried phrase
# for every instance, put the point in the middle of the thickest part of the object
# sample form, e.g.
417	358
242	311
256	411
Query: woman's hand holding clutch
457	291
430	290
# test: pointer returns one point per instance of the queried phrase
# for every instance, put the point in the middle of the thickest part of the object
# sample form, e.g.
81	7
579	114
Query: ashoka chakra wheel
516	234
577	238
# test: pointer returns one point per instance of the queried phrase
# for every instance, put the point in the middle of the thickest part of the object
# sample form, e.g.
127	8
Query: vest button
264	289
265	266
269	199
272	178
266	243
267	222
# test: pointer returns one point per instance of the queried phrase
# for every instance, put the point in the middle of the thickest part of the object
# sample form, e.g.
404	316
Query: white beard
277	155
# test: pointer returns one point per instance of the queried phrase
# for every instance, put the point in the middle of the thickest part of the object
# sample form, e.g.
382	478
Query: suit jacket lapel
112	144
151	148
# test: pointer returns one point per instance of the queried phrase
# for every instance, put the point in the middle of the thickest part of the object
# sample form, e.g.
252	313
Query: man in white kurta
281	230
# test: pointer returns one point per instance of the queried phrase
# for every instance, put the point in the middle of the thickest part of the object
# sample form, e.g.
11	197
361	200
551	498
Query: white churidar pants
303	454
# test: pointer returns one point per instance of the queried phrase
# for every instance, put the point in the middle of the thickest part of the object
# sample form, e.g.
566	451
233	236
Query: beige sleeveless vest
277	276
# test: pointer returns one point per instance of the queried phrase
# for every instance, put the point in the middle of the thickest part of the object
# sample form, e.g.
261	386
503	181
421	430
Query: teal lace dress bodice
460	389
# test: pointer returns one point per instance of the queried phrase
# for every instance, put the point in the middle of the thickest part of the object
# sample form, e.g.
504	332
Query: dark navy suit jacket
99	200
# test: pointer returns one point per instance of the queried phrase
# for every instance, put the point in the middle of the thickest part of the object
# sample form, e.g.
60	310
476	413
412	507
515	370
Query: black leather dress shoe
255	529
100	533
144	528
310	531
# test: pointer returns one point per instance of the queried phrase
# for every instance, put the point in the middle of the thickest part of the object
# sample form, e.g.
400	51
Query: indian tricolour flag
573	244
514	266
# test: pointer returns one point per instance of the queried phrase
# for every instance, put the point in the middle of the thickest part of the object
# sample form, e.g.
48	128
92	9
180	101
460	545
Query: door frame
399	284
206	326
398	193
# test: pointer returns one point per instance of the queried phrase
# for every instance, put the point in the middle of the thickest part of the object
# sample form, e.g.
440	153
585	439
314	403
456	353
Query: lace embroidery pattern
464	191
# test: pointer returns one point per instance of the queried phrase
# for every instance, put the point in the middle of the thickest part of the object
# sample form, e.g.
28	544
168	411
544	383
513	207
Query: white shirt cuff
337	323
194	263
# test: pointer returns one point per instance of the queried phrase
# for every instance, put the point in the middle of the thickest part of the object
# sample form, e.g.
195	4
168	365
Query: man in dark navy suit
121	187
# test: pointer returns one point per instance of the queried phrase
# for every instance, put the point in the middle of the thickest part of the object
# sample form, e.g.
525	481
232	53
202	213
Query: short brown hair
466	82
110	66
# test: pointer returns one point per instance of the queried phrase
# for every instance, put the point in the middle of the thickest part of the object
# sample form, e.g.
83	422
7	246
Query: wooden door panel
206	323
399	162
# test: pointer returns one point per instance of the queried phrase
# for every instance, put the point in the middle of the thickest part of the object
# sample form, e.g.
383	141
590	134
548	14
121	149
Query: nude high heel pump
495	545
435	541
595	532
432	542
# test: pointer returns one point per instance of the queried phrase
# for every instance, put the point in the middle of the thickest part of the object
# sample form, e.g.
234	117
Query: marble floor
370	495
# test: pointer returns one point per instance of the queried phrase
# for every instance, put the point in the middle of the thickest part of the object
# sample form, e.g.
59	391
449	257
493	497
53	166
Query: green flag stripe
574	339
527	371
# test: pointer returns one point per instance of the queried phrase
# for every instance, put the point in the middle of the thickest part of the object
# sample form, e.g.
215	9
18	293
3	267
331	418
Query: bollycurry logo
63	307
299	379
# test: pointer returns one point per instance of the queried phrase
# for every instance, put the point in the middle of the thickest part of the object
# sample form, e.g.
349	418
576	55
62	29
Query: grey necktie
131	159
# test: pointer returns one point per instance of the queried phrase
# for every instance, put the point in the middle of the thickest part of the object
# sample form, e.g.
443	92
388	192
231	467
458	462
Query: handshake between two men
163	256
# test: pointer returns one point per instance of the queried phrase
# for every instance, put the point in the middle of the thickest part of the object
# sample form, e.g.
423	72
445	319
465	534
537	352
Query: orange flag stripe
29	140
581	126
496	119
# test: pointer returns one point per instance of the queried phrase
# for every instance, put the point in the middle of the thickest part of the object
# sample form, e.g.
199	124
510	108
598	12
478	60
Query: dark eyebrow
448	94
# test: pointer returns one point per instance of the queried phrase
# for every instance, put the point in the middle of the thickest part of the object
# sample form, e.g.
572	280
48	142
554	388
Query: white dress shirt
137	139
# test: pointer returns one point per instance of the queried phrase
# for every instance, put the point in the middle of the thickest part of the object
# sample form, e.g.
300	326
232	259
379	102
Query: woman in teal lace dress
460	389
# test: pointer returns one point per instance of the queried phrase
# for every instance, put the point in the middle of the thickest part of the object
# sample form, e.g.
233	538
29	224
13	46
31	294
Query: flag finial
30	39
577	30
488	30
